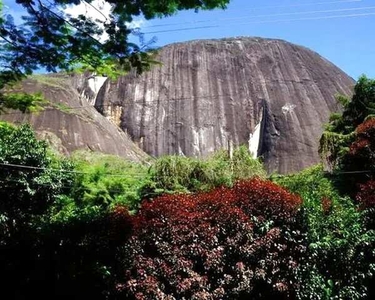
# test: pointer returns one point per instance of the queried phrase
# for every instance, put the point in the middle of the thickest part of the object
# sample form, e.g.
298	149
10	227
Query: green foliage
340	132
358	108
22	101
343	100
48	80
243	165
50	245
50	38
63	107
339	260
105	181
172	174
26	191
333	147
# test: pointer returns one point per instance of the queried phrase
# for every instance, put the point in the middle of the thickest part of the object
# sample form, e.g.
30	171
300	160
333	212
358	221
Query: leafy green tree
339	260
30	176
340	132
31	181
52	39
358	108
50	246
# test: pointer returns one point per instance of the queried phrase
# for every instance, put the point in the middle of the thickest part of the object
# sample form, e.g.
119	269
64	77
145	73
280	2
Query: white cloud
139	23
99	10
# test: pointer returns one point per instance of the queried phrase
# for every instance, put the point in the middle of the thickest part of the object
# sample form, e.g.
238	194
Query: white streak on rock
288	108
95	83
254	139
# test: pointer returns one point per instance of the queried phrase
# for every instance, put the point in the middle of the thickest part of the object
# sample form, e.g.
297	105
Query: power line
81	187
250	9
265	15
306	4
10	165
352	172
264	22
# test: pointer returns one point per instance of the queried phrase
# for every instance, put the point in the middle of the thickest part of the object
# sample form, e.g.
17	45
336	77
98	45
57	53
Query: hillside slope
69	122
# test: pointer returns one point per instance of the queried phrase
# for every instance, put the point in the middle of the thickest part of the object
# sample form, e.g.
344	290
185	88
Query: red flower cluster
363	148
361	157
326	205
223	244
366	128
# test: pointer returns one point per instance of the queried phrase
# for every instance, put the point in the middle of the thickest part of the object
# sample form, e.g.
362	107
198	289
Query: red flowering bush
362	151
366	195
360	160
367	128
233	243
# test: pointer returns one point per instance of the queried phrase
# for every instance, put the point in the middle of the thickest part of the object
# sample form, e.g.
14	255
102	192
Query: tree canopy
48	37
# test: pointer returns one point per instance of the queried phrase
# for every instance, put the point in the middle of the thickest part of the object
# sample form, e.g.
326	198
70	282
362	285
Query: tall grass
172	174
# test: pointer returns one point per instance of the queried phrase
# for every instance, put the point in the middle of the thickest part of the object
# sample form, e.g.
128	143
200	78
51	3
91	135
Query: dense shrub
28	191
237	243
366	195
76	259
51	244
361	156
172	174
340	131
338	261
358	162
107	180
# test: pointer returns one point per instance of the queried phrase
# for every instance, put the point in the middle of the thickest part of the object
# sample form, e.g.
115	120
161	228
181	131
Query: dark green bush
339	259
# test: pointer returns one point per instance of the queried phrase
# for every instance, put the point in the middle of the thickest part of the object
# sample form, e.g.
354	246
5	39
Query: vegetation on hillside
339	259
99	227
171	174
45	36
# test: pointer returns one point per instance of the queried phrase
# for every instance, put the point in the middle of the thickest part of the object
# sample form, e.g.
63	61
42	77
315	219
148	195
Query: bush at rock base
224	244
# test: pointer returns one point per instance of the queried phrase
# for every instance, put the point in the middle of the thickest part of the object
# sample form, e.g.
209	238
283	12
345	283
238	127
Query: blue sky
343	31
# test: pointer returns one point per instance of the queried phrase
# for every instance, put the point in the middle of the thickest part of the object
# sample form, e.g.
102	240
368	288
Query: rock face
69	122
208	94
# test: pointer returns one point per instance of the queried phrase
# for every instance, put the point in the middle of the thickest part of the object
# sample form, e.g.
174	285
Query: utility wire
139	174
265	15
264	22
70	186
250	9
9	165
305	4
352	172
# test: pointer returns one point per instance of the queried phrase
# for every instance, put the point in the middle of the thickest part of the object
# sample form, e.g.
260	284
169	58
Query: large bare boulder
207	94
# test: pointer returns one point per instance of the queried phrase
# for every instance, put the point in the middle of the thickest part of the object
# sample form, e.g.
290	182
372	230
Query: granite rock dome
208	94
